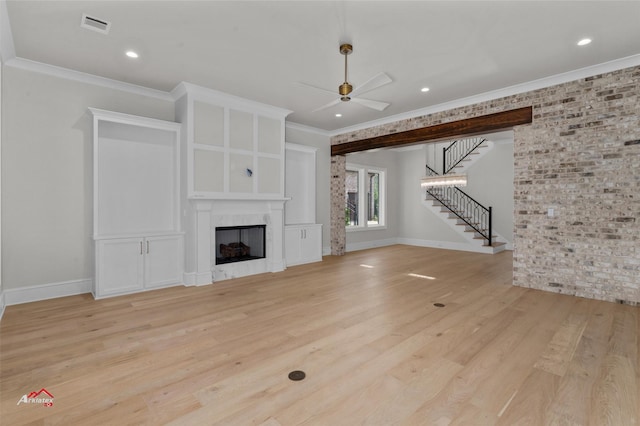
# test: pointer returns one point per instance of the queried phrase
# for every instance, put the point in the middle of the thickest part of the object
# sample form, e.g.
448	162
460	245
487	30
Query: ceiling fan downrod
345	88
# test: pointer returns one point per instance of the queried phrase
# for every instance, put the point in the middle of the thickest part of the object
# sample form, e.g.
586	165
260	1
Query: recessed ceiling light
424	89
131	54
338	115
584	42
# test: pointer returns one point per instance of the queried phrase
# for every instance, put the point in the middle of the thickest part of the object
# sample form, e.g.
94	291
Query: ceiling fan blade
374	82
333	92
329	105
377	105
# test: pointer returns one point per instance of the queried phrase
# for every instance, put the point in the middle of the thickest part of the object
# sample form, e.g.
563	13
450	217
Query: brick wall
581	157
338	230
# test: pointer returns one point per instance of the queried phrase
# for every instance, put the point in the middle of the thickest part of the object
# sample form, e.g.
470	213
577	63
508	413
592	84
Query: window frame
363	172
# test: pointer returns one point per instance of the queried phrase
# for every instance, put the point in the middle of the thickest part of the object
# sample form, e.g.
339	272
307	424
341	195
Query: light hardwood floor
363	327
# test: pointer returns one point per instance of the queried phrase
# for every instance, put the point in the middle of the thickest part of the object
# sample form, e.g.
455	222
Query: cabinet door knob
147	246
140	247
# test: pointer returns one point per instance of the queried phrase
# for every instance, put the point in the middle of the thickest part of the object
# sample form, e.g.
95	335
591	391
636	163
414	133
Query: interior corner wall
323	158
580	157
47	174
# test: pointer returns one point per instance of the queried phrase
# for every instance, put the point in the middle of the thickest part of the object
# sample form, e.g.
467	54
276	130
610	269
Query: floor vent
95	24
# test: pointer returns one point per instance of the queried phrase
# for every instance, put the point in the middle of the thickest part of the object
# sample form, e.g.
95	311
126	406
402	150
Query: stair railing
457	151
471	212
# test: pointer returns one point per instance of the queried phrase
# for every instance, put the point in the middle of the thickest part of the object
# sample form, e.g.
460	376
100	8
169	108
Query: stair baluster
471	212
457	151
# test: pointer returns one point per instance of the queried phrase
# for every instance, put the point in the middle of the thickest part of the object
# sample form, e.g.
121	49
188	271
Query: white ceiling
261	50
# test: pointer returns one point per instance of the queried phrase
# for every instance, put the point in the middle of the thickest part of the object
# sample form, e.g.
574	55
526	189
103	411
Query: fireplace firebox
240	243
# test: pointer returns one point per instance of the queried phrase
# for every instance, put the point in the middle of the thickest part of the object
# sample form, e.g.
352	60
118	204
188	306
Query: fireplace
202	247
240	243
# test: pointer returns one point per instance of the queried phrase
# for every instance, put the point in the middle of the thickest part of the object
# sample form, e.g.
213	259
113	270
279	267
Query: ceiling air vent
95	24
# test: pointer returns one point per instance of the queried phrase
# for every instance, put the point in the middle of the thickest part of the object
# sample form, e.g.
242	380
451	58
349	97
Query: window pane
373	198
351	198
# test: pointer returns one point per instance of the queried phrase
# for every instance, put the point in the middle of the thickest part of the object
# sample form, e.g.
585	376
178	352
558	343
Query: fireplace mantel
207	214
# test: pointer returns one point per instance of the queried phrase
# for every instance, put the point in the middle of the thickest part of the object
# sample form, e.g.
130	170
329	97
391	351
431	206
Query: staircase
468	217
463	153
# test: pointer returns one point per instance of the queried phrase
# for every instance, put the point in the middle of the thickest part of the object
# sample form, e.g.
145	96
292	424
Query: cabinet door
311	244
292	238
163	263
119	266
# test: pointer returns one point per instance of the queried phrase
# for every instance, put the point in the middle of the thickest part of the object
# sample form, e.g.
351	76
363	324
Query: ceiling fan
347	92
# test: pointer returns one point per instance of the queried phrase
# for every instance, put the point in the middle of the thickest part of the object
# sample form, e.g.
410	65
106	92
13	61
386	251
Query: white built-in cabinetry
136	183
303	237
302	243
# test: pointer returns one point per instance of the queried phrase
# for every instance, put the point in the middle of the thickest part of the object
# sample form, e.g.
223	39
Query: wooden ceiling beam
467	127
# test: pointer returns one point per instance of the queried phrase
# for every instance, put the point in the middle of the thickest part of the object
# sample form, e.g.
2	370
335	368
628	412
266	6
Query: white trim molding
35	293
371	244
69	74
2	304
308	129
445	245
197	279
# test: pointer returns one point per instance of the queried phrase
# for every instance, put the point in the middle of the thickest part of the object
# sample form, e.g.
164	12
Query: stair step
495	244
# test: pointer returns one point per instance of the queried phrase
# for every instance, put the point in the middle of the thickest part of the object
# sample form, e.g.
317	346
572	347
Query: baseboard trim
446	245
2	304
35	293
371	244
191	279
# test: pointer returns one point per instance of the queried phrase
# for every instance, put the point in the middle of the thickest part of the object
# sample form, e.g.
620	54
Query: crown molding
221	98
307	129
615	65
69	74
181	89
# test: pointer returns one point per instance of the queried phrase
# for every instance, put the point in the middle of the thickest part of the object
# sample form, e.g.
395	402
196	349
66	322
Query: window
364	197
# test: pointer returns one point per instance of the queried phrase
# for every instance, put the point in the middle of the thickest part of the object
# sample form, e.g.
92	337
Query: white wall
490	182
47	173
2	303
416	221
7	51
301	136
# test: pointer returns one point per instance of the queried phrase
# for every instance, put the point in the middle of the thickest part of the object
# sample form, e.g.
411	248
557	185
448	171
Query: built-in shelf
137	225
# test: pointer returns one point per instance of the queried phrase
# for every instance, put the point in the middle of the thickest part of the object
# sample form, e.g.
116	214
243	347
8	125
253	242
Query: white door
163	266
311	244
119	266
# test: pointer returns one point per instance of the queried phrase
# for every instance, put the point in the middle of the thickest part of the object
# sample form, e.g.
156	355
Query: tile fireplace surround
201	244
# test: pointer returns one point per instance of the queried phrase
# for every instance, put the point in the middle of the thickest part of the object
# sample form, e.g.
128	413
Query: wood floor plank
531	401
362	326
